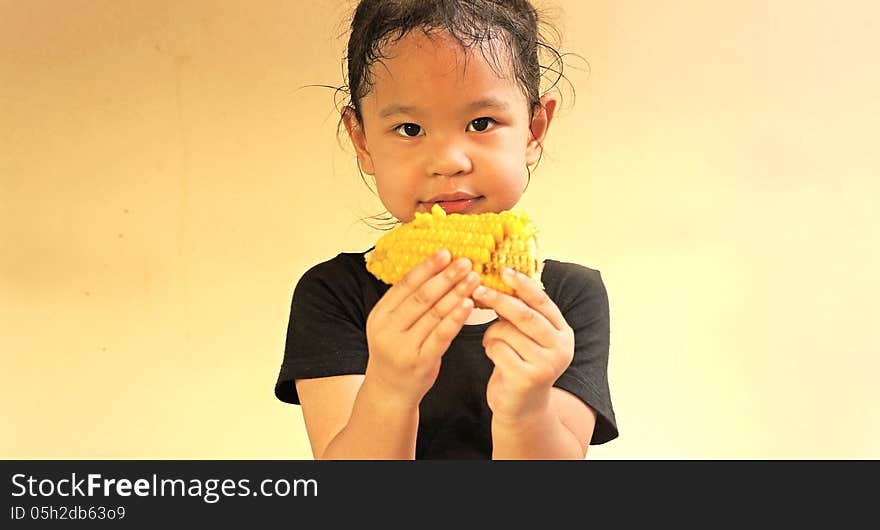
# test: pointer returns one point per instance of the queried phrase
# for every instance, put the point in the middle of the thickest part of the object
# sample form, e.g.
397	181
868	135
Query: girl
445	108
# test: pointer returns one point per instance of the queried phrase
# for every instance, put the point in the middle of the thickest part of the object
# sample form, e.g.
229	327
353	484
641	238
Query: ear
539	127
358	140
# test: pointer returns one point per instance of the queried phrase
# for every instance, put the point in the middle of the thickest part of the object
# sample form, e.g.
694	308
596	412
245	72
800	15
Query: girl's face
440	126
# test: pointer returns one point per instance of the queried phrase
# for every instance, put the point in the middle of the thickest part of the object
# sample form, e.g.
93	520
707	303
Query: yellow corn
492	241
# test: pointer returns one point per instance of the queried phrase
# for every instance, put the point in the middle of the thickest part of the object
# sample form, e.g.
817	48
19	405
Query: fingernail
507	275
441	256
480	291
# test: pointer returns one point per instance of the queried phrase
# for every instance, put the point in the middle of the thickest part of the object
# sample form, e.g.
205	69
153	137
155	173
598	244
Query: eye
409	130
481	124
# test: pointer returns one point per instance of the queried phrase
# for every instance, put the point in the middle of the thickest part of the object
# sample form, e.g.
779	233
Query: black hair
378	24
515	24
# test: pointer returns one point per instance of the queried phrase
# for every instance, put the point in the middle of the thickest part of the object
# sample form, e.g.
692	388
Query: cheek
393	162
395	192
508	179
510	165
388	188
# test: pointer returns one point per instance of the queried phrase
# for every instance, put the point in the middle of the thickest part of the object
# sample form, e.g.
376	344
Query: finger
526	348
440	337
425	297
429	320
413	279
504	357
515	311
534	296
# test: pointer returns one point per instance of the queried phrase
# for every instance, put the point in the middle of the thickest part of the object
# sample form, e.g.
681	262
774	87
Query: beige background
165	183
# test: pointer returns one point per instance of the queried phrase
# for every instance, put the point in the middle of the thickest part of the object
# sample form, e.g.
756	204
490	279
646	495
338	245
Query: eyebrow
489	102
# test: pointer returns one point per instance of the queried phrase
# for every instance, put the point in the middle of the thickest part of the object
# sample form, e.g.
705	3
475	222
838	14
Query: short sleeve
326	332
586	311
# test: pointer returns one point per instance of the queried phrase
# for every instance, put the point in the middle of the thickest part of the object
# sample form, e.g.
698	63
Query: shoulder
570	274
341	280
344	262
570	285
346	270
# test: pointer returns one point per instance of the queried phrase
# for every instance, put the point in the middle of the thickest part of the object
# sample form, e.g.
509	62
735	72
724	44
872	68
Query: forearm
378	429
541	436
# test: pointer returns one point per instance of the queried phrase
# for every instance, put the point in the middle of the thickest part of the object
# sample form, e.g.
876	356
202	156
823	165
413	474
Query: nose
448	158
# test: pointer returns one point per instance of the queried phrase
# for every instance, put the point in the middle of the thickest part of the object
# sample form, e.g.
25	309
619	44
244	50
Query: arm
531	346
375	416
559	430
348	418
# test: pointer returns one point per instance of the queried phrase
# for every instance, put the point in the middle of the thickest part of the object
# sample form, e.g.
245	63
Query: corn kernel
492	241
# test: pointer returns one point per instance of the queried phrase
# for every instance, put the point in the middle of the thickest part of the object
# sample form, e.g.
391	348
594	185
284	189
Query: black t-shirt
326	336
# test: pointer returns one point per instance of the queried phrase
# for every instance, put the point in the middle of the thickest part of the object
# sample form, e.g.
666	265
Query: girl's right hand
412	325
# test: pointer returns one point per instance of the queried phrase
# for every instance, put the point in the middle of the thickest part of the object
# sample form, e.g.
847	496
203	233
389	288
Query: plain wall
164	182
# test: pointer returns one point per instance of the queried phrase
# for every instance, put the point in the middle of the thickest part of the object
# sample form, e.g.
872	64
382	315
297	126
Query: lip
457	196
452	202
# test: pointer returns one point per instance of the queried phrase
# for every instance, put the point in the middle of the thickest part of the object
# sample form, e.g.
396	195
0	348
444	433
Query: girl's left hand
531	346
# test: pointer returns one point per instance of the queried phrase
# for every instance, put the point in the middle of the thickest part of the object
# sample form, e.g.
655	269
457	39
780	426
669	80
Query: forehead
435	66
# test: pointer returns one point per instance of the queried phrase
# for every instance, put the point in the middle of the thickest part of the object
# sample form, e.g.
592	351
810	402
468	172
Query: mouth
453	205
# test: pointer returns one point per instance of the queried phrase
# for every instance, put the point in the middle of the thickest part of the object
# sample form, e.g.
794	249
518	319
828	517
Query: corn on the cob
492	241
